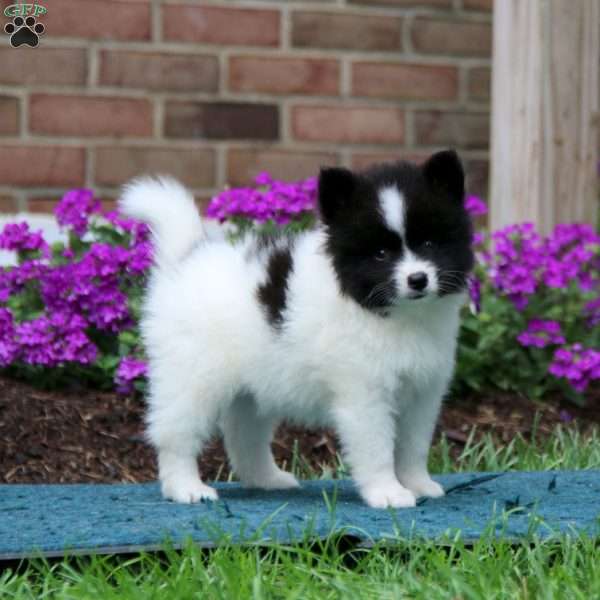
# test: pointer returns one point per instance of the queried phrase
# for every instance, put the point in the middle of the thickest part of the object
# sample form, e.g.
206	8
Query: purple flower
263	178
478	238
140	258
522	263
75	209
52	340
592	312
8	346
139	231
578	365
272	200
540	333
17	237
129	369
475	206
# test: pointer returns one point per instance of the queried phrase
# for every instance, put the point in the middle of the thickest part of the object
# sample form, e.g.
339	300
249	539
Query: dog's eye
428	244
382	254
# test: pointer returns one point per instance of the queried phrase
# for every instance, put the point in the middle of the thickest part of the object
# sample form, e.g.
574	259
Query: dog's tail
169	209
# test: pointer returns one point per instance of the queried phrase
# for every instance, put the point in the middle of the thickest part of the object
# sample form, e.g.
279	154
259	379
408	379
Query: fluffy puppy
351	325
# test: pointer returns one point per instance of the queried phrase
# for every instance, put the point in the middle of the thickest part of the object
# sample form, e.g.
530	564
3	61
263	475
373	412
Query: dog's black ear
444	172
336	188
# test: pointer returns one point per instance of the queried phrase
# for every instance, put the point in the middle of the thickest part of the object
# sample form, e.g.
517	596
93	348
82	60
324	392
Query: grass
564	568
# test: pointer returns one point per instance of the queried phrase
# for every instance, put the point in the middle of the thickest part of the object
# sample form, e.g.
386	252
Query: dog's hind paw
278	480
423	486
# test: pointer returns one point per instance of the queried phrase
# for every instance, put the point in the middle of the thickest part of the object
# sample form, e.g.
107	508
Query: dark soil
90	436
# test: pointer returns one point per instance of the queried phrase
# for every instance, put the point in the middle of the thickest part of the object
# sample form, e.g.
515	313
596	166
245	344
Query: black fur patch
357	235
272	294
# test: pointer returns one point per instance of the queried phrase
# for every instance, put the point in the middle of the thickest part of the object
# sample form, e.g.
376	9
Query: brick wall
215	91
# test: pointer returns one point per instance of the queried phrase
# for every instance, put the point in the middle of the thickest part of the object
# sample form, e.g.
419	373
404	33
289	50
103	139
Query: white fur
170	210
413	264
215	362
393	209
391	201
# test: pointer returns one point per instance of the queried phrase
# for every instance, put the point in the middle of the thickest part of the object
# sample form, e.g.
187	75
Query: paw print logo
24	31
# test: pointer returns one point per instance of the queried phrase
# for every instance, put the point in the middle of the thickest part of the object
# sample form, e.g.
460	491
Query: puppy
351	325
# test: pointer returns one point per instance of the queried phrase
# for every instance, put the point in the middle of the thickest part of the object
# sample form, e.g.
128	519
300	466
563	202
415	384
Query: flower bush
536	327
69	312
267	207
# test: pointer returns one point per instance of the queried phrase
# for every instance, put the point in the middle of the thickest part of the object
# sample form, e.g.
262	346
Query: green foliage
239	227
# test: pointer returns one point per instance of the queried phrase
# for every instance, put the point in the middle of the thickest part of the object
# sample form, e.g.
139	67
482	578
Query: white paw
423	486
388	495
188	491
277	480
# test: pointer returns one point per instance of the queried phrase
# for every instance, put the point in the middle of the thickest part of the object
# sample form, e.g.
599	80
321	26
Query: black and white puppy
351	325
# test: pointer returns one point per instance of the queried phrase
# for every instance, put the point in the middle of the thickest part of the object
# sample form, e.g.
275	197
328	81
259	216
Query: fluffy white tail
170	211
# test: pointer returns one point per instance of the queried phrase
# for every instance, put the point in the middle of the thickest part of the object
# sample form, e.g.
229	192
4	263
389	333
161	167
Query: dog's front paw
388	495
188	491
277	480
423	486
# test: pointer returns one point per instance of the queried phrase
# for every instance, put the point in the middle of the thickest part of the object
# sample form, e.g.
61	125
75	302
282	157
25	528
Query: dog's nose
417	281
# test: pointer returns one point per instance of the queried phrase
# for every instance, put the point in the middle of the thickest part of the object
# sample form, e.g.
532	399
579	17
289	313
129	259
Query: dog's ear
444	173
336	189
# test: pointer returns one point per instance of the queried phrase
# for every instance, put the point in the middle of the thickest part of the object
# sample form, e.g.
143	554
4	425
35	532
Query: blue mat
53	520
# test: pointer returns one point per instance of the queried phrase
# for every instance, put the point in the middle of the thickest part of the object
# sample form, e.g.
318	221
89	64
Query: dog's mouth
416	295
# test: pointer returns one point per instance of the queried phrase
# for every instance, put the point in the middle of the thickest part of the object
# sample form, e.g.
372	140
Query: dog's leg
248	437
414	430
366	430
180	421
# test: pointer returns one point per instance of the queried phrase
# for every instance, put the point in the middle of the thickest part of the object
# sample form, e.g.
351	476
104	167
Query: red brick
479	83
117	164
276	75
159	71
405	3
222	120
404	81
47	204
348	124
42	165
460	38
8	204
346	31
220	25
461	129
59	66
9	115
89	116
485	5
244	164
364	160
98	19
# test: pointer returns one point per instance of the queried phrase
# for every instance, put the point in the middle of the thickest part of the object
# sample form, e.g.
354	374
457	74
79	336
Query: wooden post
545	118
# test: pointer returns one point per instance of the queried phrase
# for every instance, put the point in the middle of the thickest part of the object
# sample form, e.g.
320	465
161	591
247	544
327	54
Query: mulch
80	435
